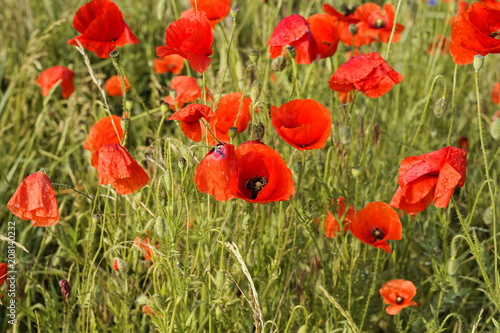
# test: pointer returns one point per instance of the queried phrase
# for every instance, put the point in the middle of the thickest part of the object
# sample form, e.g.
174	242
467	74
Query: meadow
195	247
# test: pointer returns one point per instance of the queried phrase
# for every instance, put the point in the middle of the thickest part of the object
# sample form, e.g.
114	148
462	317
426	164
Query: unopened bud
143	300
181	162
345	135
167	180
160	226
488	216
218	312
128	104
441	107
353	29
256	90
160	302
478	62
65	288
356	171
254	55
120	265
495	129
278	64
163	107
258	131
232	132
235	11
292	52
452	266
220	279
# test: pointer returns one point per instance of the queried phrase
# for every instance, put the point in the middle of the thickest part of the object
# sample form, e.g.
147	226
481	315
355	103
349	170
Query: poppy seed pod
181	162
495	129
478	62
232	132
256	90
345	135
278	64
356	171
235	11
441	107
65	288
291	51
163	107
254	55
353	29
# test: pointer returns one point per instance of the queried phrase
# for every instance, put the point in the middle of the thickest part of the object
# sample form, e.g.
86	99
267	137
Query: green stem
393	30
372	289
453	89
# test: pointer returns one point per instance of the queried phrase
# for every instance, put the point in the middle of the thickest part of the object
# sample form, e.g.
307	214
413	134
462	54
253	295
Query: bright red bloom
173	63
190	120
143	247
217	173
3	274
35	200
216	10
368	73
118	168
113	86
258	175
323	28
375	25
50	76
115	264
187	91
491	3
476	31
495	95
376	224
445	45
332	225
399	293
428	177
294	30
263	175
226	113
190	37
302	123
147	310
102	28
101	133
343	23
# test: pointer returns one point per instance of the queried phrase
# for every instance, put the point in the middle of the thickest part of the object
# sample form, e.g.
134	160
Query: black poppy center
495	34
377	234
255	185
379	23
399	299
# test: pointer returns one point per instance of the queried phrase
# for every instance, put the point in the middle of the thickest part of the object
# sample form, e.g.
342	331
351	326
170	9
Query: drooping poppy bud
120	265
35	200
118	168
278	64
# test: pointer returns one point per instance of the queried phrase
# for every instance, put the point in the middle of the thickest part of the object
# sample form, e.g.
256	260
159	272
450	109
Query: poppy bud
163	107
254	55
181	162
452	266
278	64
160	302
441	107
258	131
232	132
235	11
478	62
160	226
120	265
345	135
218	312
488	216
143	300
220	279
303	329
114	55
256	90
290	49
495	129
65	288
128	104
353	29
167	180
356	171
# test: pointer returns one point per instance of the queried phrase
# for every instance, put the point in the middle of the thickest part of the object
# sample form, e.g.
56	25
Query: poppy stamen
255	185
379	23
399	299
377	234
495	34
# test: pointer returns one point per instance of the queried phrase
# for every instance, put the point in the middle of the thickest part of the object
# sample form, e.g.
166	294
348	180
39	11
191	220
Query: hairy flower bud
160	302
278	64
356	171
345	135
258	131
143	300
488	216
220	279
441	107
256	90
235	11
452	266
120	265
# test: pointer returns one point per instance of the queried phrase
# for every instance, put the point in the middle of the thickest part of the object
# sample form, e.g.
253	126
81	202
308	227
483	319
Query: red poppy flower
147	310
173	63
302	123
259	175
113	86
294	30
495	95
190	120
49	77
368	73
428	177
118	168
226	114
101	133
343	96
102	28
35	200
323	28
376	224
343	23
374	24
491	3
217	173
445	45
143	247
190	37
476	31
216	10
399	293
332	225
3	274
115	264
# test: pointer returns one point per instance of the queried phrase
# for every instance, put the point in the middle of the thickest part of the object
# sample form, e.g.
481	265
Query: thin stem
453	89
372	288
393	30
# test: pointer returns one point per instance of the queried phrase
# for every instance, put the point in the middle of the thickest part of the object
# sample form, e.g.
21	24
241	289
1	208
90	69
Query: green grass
297	272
